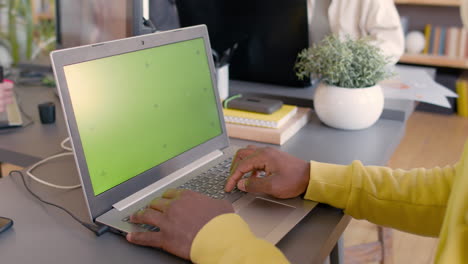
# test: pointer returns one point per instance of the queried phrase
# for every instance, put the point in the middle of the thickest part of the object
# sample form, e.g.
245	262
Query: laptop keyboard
11	116
4	118
210	183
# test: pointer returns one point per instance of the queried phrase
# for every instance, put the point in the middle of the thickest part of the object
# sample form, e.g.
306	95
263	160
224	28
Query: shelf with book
462	91
433	60
42	10
429	2
440	22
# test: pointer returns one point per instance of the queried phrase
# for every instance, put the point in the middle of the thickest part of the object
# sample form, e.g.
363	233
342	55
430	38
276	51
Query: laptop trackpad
264	215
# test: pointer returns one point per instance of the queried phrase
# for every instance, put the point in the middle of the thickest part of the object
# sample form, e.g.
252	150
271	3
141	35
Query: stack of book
462	99
275	128
446	41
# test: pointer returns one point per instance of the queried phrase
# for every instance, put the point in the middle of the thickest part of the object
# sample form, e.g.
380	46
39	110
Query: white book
274	120
462	44
452	48
271	135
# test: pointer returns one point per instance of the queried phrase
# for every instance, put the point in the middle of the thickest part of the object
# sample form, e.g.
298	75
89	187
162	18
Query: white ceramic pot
348	108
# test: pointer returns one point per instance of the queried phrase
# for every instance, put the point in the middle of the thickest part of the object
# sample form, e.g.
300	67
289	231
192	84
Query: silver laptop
144	115
11	117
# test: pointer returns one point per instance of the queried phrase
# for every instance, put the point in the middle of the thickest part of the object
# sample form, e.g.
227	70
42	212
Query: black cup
47	112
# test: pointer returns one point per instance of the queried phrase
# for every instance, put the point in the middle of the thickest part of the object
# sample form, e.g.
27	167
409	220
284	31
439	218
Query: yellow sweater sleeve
228	239
414	201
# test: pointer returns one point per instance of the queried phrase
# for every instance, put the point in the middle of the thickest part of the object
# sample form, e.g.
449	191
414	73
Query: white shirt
378	19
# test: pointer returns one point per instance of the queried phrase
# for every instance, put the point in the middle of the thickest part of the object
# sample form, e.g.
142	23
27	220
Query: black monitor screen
269	34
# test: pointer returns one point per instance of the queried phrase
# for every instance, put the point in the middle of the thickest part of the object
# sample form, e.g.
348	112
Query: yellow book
427	35
274	120
462	100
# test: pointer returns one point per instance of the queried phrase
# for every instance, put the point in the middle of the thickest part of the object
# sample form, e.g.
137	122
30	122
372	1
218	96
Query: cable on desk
62	144
97	230
29	171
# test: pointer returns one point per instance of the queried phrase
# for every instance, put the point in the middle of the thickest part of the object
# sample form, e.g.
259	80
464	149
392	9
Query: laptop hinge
145	192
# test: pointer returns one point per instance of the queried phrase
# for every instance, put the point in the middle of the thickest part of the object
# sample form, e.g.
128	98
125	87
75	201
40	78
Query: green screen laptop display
137	110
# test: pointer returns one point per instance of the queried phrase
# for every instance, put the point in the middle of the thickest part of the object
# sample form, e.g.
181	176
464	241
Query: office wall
90	21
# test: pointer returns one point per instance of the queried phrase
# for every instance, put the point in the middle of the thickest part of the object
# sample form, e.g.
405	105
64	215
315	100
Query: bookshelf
432	60
42	10
429	2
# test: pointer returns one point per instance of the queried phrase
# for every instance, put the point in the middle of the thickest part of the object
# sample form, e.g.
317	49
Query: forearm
228	239
395	198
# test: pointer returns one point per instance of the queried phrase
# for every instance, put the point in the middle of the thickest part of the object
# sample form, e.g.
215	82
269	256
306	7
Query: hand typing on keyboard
179	214
285	176
6	93
211	182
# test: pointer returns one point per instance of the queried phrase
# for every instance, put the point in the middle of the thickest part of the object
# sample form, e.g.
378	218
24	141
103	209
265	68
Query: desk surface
44	234
25	146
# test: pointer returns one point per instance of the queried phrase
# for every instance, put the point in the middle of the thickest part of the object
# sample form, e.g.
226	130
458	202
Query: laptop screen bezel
103	202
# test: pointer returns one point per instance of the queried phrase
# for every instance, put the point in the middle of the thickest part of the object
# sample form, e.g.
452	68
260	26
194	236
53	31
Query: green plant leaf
347	62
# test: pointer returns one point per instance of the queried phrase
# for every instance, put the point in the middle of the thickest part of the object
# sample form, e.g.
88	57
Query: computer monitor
81	22
269	33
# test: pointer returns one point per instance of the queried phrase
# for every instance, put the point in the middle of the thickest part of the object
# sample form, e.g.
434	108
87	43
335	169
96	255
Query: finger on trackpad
263	215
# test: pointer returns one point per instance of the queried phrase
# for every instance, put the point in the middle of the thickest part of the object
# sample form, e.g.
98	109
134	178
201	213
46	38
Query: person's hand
285	175
179	214
6	93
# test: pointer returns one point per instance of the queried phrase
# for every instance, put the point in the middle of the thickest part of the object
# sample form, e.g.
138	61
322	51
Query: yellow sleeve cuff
329	183
228	239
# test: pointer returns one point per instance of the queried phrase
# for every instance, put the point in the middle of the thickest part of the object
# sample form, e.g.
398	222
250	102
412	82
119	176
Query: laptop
11	117
143	115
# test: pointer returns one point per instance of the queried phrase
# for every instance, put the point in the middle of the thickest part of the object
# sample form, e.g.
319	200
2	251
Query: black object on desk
255	104
47	112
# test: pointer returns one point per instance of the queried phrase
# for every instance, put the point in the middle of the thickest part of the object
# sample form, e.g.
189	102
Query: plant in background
25	39
19	22
344	62
44	36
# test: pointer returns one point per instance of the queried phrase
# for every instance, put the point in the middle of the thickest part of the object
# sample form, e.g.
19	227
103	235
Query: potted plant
21	37
349	70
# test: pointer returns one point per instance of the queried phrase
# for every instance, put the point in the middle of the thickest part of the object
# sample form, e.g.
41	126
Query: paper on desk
417	85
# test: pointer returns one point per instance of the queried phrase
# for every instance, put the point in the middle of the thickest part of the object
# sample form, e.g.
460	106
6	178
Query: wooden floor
6	168
430	140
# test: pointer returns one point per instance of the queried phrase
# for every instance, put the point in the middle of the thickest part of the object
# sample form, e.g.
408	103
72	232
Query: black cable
97	230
